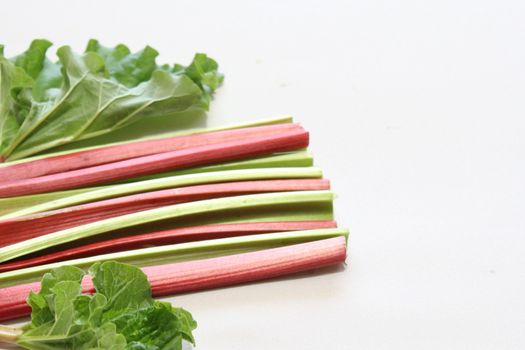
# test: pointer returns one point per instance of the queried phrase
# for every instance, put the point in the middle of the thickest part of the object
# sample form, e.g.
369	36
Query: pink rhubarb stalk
179	235
193	156
208	273
35	225
109	154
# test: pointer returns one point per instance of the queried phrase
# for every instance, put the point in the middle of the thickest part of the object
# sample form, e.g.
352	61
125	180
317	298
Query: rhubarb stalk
105	192
35	225
203	274
200	155
109	154
180	252
165	237
157	214
278	160
66	149
284	160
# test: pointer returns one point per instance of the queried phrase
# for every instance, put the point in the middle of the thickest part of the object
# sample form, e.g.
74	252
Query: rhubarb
278	160
195	209
291	159
99	142
165	237
109	154
121	314
81	196
202	274
35	225
180	252
46	104
157	214
200	155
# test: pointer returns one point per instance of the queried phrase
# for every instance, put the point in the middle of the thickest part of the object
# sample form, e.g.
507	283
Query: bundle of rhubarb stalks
196	210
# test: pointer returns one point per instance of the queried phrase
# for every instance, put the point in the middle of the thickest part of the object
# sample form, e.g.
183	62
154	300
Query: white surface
416	110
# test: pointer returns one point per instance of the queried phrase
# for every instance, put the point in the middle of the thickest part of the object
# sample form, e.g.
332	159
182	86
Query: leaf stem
9	334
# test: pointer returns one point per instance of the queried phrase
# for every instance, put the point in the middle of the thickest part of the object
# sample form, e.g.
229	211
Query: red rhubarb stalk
179	235
109	154
208	273
35	225
193	156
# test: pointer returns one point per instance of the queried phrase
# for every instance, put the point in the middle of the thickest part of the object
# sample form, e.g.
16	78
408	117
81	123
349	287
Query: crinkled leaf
203	71
32	61
42	303
121	315
156	327
90	94
125	287
129	69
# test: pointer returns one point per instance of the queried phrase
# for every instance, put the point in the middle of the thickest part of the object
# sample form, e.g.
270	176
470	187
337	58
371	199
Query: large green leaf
45	104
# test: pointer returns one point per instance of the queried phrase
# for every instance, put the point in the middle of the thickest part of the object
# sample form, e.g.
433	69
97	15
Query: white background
416	110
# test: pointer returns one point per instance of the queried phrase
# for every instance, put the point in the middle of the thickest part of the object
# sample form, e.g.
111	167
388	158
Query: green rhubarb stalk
12	204
111	191
298	212
180	252
9	334
307	211
284	160
262	122
158	214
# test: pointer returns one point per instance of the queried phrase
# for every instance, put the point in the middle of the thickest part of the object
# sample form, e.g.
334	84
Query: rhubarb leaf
121	315
42	309
45	104
123	66
127	290
12	81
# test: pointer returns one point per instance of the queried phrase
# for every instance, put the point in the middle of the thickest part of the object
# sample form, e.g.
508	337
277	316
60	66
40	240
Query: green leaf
121	315
123	66
41	302
124	288
12	108
203	71
46	104
164	94
32	61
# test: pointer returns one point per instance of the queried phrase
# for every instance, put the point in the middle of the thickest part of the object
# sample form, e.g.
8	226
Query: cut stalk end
9	334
